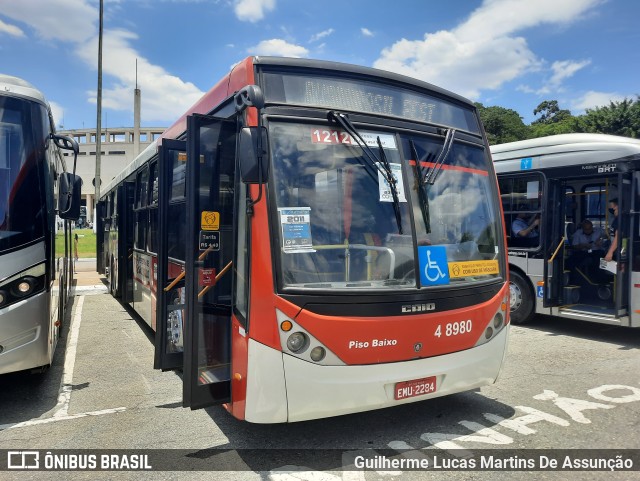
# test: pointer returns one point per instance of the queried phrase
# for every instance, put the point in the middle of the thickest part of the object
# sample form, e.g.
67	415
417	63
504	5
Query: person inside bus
525	231
612	253
587	247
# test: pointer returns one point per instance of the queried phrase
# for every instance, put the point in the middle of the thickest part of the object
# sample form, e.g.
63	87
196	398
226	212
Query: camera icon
23	460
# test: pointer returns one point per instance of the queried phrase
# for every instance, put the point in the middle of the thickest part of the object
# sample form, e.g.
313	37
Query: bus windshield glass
337	221
22	143
365	96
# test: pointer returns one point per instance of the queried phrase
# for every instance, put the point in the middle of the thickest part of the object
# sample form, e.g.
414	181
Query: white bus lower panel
24	334
312	391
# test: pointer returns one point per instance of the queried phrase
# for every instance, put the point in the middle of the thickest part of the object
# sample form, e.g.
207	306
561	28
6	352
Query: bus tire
521	299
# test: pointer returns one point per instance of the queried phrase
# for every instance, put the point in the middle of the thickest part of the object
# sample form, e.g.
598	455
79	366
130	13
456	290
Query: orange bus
313	239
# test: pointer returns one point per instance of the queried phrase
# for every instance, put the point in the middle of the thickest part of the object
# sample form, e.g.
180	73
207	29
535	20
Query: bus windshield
337	221
22	143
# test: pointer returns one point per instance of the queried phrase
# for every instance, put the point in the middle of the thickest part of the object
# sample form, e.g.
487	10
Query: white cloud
253	10
594	99
58	113
565	69
164	96
485	51
366	32
12	30
318	36
278	47
560	71
64	20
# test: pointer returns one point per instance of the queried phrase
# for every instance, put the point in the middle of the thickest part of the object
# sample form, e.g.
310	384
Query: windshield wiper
442	156
392	185
423	197
374	162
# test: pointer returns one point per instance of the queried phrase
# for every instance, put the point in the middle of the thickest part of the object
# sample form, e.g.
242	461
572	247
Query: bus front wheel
521	299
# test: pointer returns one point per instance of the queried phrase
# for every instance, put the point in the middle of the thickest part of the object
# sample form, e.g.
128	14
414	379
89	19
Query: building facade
119	146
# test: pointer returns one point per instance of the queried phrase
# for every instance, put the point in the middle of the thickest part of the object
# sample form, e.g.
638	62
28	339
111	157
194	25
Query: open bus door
169	285
625	222
211	150
125	239
553	243
122	287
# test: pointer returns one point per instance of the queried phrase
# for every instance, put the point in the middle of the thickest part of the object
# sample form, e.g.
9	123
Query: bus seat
569	230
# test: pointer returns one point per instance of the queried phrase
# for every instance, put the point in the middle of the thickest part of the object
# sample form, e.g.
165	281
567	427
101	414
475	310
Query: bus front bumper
304	391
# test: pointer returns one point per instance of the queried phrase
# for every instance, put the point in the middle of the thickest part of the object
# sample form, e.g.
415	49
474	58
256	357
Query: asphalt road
565	385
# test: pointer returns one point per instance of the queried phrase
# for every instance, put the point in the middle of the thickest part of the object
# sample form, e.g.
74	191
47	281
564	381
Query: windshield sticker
295	226
210	220
433	265
473	268
388	141
333	136
383	185
327	136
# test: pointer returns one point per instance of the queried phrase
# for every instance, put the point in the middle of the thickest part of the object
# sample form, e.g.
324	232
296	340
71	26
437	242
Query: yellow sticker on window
210	220
473	268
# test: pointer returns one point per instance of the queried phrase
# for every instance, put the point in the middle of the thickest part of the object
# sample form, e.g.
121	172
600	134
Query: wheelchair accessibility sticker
540	291
434	268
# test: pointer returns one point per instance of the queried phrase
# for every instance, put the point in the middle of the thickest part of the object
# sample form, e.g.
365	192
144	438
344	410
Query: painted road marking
61	410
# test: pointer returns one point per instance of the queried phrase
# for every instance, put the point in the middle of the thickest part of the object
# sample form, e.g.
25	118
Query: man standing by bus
613	232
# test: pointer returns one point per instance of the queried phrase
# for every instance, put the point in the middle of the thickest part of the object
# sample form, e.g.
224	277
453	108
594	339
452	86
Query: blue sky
510	53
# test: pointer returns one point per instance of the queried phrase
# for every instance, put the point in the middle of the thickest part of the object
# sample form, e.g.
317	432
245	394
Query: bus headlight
496	324
25	286
498	320
22	285
317	353
296	342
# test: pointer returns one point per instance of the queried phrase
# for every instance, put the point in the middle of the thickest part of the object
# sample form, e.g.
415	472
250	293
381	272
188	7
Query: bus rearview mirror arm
69	184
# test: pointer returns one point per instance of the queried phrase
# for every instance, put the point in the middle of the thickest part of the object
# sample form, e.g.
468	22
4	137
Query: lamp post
99	123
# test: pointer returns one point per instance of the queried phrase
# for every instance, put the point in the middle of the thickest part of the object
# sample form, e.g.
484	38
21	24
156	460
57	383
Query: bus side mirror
253	155
67	143
69	193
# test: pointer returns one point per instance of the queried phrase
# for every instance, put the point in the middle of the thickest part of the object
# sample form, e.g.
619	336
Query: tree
501	124
617	118
550	113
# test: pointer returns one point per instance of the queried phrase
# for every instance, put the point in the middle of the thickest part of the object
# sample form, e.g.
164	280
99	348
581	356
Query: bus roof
242	74
562	143
20	88
135	164
563	150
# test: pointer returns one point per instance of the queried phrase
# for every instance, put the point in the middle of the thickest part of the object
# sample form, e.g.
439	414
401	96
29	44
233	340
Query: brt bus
565	179
313	239
35	271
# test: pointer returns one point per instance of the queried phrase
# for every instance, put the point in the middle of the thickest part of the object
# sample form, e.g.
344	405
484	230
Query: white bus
35	270
563	181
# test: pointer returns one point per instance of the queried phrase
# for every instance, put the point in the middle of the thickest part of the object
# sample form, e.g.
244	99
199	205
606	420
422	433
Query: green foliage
505	125
617	118
502	125
86	242
550	113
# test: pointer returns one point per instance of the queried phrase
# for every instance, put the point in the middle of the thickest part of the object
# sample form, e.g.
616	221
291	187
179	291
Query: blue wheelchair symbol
434	268
540	292
526	163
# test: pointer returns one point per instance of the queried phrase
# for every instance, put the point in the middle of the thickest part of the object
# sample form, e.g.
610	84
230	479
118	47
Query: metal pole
99	121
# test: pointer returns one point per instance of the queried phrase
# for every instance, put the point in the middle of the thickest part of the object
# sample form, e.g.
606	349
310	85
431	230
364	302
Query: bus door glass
125	226
170	296
553	240
634	250
211	150
625	249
